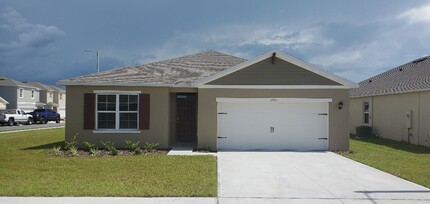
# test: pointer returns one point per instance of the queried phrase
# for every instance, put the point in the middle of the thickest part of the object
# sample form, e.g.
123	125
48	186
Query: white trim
273	100
283	56
117	131
273	87
116	92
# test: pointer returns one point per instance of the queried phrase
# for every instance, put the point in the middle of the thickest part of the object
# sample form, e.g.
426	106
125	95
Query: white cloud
33	38
417	15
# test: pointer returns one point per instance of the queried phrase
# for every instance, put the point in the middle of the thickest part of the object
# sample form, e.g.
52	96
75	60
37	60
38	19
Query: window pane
366	106
106	120
111	107
123	102
366	118
133	98
111	98
132	107
101	98
128	121
101	106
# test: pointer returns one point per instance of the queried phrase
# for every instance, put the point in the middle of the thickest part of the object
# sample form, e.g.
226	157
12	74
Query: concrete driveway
308	177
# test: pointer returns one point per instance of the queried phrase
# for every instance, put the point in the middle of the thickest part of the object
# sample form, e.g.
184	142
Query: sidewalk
103	200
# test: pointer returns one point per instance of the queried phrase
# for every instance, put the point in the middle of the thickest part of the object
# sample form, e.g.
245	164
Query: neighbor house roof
2	100
58	89
41	86
410	77
177	72
4	81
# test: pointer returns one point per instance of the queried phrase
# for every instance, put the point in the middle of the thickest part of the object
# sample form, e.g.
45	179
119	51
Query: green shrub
150	147
73	143
73	150
133	146
91	148
56	150
110	146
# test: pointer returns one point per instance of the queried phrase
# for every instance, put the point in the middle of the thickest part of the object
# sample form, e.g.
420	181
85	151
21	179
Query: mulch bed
105	153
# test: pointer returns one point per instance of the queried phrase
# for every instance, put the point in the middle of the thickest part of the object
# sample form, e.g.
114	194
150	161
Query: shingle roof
177	72
58	89
4	81
410	77
41	86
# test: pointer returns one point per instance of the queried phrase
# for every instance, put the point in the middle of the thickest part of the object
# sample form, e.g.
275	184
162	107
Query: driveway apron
309	177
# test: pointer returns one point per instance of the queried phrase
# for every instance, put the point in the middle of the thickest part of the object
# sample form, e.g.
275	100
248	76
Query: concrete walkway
23	128
187	150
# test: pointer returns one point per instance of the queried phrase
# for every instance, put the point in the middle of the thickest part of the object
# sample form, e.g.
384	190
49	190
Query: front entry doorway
186	117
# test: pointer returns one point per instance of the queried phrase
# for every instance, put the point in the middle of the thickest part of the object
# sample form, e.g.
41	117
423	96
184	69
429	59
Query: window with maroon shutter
120	111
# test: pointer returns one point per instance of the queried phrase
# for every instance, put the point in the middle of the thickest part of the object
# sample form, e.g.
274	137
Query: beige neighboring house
19	95
395	103
3	103
271	102
51	97
60	99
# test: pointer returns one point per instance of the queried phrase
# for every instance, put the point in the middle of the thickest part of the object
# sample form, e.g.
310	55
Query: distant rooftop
410	77
4	81
176	72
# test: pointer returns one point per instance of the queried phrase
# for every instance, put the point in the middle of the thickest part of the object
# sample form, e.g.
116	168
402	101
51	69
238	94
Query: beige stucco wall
356	112
159	118
338	119
389	116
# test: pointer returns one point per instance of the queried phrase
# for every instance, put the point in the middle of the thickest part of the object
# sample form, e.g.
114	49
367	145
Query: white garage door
272	124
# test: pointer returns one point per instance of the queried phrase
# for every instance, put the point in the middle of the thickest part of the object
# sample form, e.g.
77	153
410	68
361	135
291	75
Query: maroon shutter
89	111
144	111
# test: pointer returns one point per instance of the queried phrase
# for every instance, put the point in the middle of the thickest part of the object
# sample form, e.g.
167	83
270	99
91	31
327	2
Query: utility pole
98	59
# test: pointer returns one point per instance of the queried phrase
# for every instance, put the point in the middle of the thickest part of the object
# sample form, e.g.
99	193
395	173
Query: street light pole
98	68
98	59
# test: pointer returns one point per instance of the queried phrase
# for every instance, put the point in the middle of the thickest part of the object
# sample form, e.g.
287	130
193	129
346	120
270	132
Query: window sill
118	131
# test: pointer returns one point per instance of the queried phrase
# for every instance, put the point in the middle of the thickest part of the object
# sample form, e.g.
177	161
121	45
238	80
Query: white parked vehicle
15	116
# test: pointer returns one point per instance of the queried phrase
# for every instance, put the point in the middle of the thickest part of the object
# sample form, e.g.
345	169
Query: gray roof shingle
176	72
410	77
4	81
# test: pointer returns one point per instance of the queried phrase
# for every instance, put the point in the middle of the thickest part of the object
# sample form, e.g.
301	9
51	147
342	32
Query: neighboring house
3	103
51	97
46	95
19	95
272	102
60	99
395	103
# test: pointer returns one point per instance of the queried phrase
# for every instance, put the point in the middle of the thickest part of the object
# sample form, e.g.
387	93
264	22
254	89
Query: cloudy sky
44	40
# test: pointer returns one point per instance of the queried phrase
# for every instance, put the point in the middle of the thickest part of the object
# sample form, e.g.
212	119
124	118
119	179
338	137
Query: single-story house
395	103
271	102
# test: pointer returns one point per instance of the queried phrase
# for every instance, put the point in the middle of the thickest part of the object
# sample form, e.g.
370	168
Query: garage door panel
273	126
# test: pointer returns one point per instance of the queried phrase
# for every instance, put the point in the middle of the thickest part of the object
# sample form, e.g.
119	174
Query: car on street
43	115
15	116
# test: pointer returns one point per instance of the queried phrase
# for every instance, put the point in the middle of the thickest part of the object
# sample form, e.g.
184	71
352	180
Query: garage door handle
322	138
222	137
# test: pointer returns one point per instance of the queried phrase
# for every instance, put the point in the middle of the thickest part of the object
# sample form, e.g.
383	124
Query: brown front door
186	117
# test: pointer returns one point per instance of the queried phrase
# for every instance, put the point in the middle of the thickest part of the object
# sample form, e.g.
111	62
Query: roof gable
410	77
286	71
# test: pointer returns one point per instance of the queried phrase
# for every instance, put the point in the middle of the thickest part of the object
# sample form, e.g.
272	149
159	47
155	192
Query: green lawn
407	161
27	170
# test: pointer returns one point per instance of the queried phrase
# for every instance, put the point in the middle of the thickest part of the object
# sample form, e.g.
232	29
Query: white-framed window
61	96
117	112
32	94
21	93
50	95
366	112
